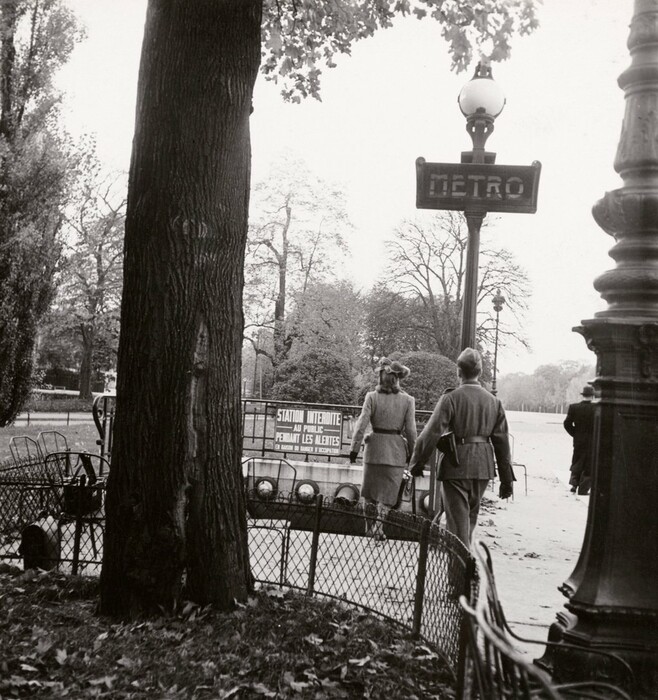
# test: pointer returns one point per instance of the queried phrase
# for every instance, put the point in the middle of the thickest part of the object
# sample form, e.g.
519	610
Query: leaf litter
280	645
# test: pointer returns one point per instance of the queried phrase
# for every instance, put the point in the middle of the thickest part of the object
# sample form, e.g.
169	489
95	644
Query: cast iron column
613	591
479	126
474	220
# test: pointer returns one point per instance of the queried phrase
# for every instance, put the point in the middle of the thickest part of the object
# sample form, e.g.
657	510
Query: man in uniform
477	419
579	424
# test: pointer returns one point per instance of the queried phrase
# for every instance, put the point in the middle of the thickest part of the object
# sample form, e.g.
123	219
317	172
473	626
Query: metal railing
258	423
48	517
259	418
414	577
103	411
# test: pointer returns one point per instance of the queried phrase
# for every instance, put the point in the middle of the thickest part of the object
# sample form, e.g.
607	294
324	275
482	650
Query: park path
535	539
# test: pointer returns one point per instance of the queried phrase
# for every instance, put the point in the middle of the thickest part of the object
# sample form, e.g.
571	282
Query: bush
431	374
57	404
315	377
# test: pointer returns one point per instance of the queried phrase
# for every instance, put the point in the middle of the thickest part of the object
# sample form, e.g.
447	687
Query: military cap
470	362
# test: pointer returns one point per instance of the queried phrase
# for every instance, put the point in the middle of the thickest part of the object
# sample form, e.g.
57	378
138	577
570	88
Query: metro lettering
475	186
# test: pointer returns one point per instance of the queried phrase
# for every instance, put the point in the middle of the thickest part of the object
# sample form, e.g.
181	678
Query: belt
472	439
384	431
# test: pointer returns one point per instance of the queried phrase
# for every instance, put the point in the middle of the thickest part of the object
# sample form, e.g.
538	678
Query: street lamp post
498	302
477	186
481	100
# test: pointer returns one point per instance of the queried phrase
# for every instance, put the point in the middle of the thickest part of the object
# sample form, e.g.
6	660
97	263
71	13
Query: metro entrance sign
484	186
477	185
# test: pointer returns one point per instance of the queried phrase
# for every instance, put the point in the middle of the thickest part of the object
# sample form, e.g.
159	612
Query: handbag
407	492
82	495
448	445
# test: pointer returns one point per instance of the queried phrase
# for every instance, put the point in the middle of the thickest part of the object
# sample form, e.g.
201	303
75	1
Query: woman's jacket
395	414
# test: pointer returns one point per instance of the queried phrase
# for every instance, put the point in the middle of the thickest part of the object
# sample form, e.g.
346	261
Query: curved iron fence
414	577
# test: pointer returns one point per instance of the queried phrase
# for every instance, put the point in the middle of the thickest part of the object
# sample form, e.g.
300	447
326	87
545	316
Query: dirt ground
535	538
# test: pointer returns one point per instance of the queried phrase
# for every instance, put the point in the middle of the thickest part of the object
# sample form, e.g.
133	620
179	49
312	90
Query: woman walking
392	414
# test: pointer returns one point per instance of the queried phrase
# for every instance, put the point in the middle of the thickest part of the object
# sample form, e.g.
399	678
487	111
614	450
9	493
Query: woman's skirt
381	482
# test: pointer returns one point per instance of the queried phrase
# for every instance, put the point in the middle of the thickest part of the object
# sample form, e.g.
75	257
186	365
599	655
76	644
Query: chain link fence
51	511
51	516
413	576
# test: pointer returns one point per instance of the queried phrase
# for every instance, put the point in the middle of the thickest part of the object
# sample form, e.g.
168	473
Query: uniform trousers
461	500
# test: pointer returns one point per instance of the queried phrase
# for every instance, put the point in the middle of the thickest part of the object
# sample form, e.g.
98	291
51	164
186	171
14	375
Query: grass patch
279	645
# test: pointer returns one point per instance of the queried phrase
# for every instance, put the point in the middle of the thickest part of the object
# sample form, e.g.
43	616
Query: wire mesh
449	575
51	514
395	564
328	548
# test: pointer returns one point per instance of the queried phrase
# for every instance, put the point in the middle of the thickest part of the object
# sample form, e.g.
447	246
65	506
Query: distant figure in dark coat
579	424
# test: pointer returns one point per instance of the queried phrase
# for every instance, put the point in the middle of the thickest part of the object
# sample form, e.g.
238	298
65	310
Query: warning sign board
308	430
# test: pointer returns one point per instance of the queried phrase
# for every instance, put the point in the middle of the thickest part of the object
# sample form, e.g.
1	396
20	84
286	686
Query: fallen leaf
262	689
105	680
126	662
20	682
299	686
275	593
43	645
360	662
425	654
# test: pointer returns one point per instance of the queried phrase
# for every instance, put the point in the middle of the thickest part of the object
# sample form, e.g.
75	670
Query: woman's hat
392	367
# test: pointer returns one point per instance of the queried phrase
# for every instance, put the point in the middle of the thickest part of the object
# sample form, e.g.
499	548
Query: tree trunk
176	520
7	67
280	350
86	363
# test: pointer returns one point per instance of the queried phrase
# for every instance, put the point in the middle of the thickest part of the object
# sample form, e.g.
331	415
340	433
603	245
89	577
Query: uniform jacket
468	411
387	412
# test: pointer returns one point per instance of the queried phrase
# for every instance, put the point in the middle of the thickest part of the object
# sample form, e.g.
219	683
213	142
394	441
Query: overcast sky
395	99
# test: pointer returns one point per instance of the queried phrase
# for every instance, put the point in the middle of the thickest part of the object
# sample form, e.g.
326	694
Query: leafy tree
427	268
36	38
431	374
296	237
257	372
56	348
316	376
299	35
176	517
393	321
89	293
519	391
549	388
329	316
578	382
